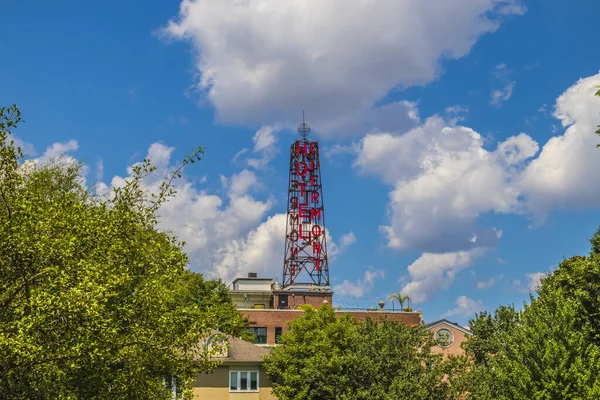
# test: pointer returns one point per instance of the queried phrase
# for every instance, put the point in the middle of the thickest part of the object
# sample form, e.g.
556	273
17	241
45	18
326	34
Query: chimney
252	275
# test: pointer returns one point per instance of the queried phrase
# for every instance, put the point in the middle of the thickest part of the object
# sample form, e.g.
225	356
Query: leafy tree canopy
549	350
95	301
323	356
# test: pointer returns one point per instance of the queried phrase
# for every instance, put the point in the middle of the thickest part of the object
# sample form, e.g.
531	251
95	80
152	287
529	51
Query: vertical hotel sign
305	261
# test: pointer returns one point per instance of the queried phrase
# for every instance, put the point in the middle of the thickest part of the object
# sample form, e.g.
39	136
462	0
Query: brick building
270	308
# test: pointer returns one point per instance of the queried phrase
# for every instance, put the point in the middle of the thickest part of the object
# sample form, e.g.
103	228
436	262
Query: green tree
94	299
213	298
551	349
323	356
595	242
489	332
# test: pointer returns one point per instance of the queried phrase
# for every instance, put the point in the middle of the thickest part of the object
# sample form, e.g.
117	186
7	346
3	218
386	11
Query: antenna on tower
303	129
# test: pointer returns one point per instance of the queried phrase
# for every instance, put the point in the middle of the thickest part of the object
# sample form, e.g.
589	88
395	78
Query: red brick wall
409	318
315	299
271	319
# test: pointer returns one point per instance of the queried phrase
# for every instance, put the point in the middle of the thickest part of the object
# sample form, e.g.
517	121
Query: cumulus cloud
221	233
465	307
342	149
535	280
564	175
347	240
242	182
265	142
432	272
360	287
226	236
485	284
58	149
309	54
443	179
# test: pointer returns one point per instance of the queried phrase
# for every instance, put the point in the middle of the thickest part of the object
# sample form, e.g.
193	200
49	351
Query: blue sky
458	146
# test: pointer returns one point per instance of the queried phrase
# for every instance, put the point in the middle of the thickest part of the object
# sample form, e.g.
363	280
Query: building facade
450	336
269	307
240	376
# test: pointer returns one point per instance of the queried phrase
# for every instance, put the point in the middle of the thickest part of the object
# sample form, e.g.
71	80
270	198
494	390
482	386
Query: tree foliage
549	350
323	356
95	301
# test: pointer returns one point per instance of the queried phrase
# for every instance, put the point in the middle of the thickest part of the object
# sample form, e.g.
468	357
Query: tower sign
305	260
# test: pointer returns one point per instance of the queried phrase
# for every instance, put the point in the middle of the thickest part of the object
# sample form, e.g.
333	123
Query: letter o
316	232
304	169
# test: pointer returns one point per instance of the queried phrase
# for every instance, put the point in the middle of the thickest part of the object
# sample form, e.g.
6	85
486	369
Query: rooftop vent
252	275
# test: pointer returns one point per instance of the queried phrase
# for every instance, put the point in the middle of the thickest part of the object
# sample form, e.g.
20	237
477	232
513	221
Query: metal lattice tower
305	258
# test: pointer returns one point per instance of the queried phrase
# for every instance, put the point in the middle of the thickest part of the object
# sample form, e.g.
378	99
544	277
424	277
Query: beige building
239	377
450	336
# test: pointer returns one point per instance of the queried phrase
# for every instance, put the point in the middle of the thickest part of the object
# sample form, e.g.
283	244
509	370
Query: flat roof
269	292
253	279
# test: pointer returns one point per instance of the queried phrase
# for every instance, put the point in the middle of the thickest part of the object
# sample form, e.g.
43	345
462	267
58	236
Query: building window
261	335
243	381
278	333
172	384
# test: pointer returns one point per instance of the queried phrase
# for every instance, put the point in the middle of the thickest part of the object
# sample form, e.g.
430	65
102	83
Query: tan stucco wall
215	385
454	348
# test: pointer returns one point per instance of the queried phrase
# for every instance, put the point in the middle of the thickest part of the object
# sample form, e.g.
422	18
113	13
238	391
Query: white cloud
361	287
455	114
264	138
535	280
259	61
227	236
28	149
432	272
264	144
213	228
340	149
499	96
58	149
465	307
443	179
242	182
99	169
260	251
517	149
502	74
565	174
485	284
347	240
239	154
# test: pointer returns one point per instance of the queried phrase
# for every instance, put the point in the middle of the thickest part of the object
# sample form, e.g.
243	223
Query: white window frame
239	381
